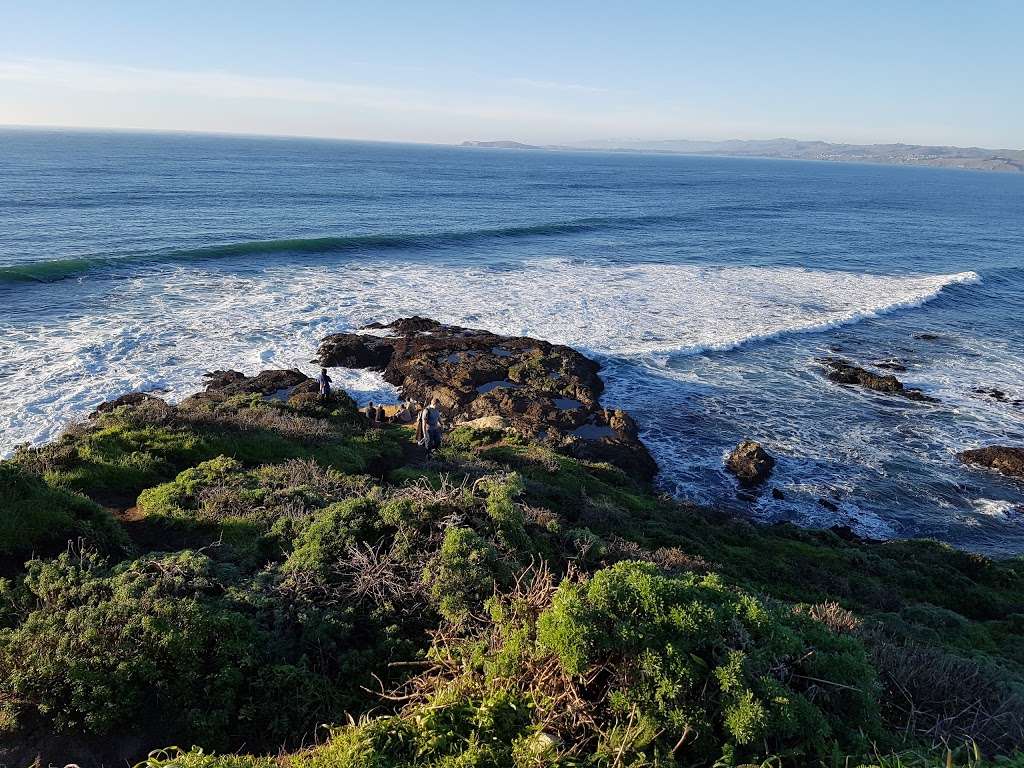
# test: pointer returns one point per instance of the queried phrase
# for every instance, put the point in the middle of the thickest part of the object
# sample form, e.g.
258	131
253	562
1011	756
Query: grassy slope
281	562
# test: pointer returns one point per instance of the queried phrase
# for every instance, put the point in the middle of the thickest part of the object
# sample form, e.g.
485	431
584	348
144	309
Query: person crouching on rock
404	414
325	384
429	426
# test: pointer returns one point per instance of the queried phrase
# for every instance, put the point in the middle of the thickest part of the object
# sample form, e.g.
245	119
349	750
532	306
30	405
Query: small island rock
844	372
750	462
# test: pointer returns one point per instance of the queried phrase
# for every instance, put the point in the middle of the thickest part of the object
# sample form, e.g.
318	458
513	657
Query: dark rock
829	505
997	394
286	385
750	463
264	383
476	374
132	398
778	494
1008	461
843	372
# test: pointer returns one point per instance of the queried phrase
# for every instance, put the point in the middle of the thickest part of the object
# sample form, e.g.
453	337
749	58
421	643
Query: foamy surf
164	330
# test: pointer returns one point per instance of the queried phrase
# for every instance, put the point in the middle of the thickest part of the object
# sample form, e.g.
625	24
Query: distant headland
968	158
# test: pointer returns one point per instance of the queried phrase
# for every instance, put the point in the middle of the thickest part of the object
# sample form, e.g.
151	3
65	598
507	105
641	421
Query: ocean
707	287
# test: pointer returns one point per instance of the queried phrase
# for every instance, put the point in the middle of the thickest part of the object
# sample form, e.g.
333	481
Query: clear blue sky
918	72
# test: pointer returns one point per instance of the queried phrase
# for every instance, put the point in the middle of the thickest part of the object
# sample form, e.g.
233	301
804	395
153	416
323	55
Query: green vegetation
237	572
36	517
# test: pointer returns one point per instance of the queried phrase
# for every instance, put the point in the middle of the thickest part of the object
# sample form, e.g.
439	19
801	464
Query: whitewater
161	333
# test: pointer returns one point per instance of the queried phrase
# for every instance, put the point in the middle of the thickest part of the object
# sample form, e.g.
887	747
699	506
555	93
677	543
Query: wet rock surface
1008	461
750	462
544	391
998	395
844	372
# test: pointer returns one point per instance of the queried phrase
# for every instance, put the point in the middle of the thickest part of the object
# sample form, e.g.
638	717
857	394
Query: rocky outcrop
131	399
268	382
544	391
844	372
998	395
287	385
1008	461
750	462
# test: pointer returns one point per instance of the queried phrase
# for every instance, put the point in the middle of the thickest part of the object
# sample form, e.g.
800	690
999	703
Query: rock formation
750	462
1008	461
843	372
544	391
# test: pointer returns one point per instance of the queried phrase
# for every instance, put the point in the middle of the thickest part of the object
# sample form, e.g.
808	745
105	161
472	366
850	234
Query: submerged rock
750	462
543	391
844	372
1008	461
997	394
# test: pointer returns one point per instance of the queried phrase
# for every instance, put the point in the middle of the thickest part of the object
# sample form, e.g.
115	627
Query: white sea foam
995	507
162	331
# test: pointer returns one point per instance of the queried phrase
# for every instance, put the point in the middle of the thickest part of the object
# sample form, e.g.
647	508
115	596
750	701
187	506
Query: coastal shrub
462	573
464	438
324	541
123	451
311	578
706	665
506	515
176	757
221	490
181	647
135	644
35	517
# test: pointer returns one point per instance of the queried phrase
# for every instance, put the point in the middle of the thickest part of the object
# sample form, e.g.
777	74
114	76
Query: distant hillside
501	145
972	158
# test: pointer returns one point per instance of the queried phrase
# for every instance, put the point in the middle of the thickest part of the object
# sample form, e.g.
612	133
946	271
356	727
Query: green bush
694	656
324	541
462	574
126	450
180	648
35	517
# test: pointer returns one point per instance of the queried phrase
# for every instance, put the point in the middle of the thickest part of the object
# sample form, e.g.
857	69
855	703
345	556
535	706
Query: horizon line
582	145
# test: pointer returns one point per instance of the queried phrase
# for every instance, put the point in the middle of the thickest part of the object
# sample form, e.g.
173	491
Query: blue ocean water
708	287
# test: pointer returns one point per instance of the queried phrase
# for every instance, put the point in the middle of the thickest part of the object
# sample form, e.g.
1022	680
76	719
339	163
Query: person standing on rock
429	426
325	384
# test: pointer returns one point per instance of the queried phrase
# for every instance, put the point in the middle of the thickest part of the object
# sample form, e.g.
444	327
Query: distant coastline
965	158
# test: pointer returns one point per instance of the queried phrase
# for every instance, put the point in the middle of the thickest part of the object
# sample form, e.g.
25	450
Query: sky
540	72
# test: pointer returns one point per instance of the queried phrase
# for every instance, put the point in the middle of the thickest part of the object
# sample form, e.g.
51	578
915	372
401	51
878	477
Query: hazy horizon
589	145
919	74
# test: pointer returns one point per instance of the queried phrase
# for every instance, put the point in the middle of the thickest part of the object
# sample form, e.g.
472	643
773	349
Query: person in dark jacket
429	426
325	384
